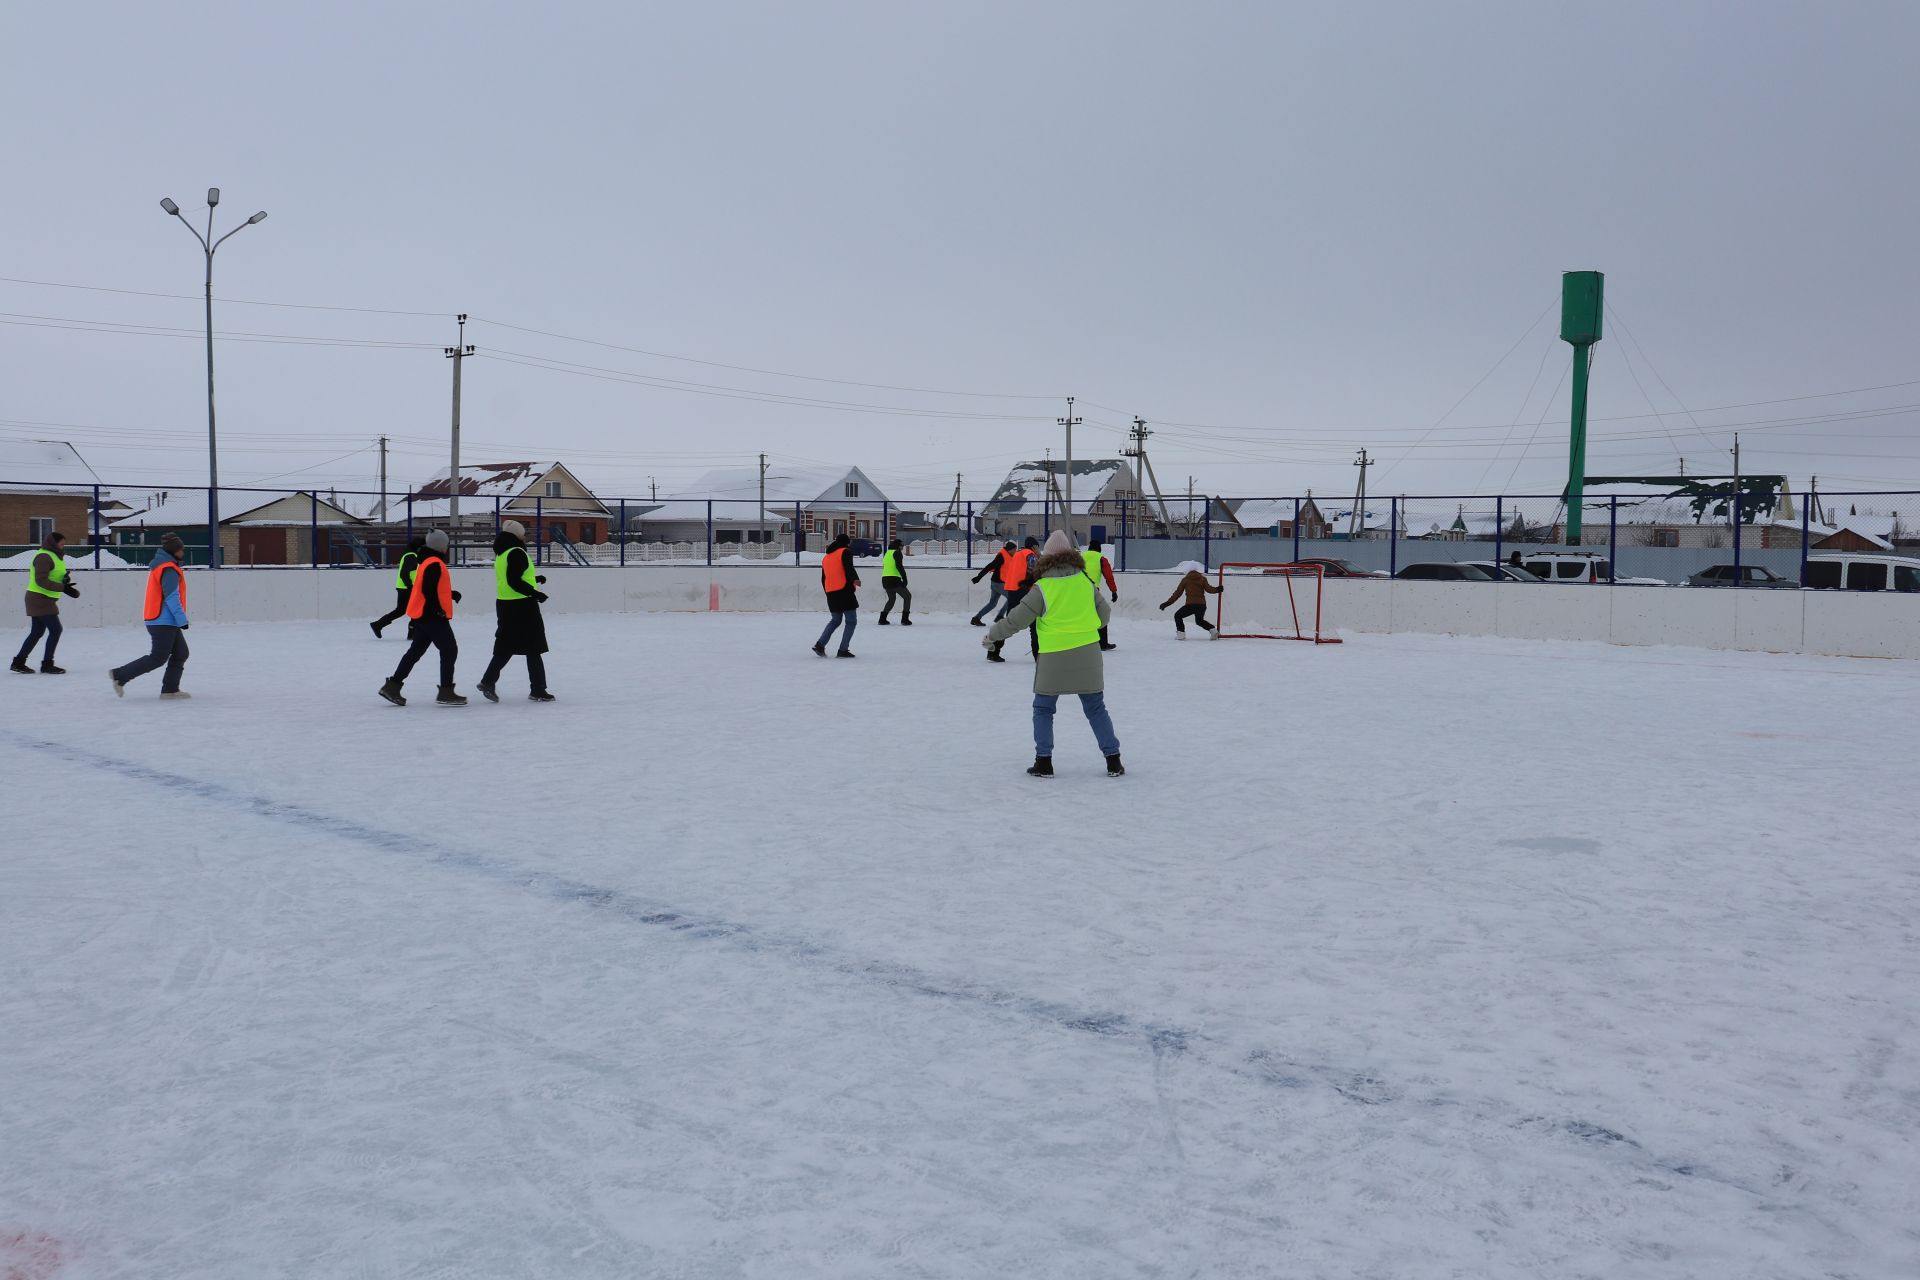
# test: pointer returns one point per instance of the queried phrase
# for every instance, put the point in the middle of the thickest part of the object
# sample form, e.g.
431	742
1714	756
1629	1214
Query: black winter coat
519	628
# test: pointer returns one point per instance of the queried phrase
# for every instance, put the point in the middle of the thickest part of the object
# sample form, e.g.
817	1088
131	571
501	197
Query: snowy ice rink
1409	957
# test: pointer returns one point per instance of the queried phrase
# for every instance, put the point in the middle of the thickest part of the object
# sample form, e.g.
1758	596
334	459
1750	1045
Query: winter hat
172	544
1033	542
437	540
514	528
1057	542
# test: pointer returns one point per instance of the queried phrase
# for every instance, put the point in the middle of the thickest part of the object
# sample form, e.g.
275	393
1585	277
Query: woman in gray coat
1067	613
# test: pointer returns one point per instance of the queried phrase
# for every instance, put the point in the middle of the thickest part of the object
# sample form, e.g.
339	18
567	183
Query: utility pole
458	354
953	504
1357	520
763	500
653	490
1733	505
383	479
1069	422
1139	435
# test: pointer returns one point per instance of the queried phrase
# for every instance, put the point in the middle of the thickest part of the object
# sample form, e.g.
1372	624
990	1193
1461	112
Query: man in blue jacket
166	617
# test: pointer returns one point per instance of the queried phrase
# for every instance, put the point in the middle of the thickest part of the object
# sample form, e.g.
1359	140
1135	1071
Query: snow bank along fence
1878	624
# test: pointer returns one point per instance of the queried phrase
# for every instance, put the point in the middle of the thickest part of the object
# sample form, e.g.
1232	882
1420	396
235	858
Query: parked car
864	546
1744	575
1839	572
1506	572
1446	571
1579	566
1332	568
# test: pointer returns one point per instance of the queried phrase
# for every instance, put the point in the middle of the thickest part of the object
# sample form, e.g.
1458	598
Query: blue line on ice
1261	1066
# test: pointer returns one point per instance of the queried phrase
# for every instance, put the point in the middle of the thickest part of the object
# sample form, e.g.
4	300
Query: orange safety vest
416	601
157	592
1013	572
836	572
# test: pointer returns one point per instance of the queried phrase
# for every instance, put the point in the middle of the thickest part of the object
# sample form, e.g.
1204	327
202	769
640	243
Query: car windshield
1474	572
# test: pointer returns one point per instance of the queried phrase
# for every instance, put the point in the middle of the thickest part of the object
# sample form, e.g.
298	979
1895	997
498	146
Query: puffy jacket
172	614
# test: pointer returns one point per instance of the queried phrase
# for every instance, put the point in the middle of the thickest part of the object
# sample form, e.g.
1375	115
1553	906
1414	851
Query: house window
588	533
553	488
1666	537
852	489
39	528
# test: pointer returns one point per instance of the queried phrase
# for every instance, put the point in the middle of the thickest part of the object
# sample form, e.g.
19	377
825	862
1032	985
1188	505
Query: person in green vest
1066	611
519	629
402	584
47	581
1099	568
893	576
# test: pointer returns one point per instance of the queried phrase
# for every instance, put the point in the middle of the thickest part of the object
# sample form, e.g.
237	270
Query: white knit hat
514	528
1057	542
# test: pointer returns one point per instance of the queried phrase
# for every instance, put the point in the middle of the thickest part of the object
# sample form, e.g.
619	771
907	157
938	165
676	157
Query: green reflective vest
404	579
56	574
1093	560
1071	620
890	565
503	590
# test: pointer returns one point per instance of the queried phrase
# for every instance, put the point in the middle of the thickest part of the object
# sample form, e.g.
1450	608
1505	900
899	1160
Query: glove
1163	608
456	597
540	597
72	591
540	578
986	641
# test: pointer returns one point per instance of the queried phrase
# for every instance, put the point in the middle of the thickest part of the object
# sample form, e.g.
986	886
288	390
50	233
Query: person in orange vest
430	605
840	581
1016	579
991	572
47	581
166	618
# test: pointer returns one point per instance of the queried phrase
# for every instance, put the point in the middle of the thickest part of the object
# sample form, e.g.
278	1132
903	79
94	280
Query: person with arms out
1016	579
991	572
841	583
518	627
430	604
402	585
893	576
1098	568
47	581
166	617
1196	588
1067	611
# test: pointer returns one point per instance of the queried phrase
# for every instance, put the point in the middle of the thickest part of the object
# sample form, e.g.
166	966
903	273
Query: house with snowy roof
545	496
256	527
45	485
822	502
1276	517
1032	500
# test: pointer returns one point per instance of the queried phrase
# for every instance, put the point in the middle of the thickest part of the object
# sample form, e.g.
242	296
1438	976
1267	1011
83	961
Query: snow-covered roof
787	486
1872	528
1265	513
45	466
484	483
1031	487
189	510
694	510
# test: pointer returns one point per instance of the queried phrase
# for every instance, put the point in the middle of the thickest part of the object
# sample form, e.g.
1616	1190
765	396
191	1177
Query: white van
1839	572
1577	566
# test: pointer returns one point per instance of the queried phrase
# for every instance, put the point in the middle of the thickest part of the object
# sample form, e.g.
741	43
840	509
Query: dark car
864	547
1506	572
1332	568
1445	571
1746	575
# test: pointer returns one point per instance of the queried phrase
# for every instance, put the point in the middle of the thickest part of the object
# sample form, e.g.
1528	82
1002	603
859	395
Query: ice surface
1408	957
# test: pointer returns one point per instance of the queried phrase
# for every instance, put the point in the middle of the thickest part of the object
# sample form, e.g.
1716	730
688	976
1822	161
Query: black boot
885	623
48	669
1042	767
376	629
539	695
487	692
448	698
1114	767
993	654
821	648
20	666
390	691
906	621
846	653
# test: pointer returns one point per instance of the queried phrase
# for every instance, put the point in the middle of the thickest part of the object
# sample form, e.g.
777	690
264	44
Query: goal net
1274	602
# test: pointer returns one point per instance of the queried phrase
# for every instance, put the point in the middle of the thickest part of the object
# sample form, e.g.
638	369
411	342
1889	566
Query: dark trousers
437	632
1198	612
992	600
896	588
536	670
169	651
47	625
398	612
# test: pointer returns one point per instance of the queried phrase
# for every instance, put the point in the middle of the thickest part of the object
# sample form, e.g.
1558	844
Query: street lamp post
207	245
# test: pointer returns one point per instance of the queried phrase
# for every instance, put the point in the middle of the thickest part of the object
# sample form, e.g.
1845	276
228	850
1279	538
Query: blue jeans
992	600
850	617
1094	704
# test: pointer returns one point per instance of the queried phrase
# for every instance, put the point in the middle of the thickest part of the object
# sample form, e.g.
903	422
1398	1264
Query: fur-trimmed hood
1061	564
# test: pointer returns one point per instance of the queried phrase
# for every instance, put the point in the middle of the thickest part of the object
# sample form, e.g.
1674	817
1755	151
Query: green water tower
1582	301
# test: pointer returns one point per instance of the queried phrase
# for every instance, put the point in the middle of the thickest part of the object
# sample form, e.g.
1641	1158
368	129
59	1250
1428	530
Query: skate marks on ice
1166	1044
30	1255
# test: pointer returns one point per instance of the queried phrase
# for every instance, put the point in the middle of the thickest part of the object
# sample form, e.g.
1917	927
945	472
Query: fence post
799	536
539	526
1736	537
1126	515
1499	527
1393	534
969	533
313	529
98	535
709	533
1296	528
1806	532
886	521
1613	538
623	533
409	518
1206	536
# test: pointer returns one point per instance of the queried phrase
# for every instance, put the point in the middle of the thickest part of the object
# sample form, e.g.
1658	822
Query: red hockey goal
1274	602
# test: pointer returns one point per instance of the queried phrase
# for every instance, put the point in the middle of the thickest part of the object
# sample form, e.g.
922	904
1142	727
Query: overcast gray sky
1297	228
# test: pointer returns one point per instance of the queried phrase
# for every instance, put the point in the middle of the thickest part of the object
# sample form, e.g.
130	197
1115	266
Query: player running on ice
1196	588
